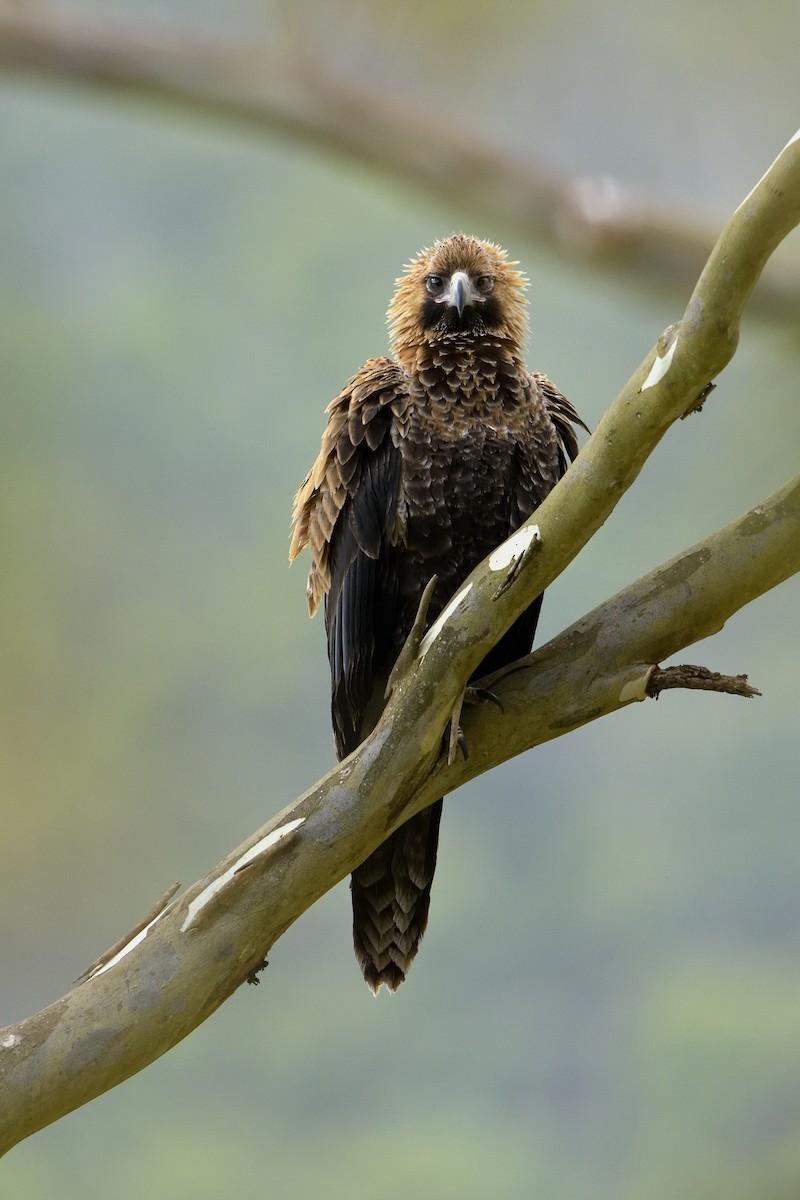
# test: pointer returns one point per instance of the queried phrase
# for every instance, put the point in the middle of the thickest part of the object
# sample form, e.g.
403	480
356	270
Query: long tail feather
391	893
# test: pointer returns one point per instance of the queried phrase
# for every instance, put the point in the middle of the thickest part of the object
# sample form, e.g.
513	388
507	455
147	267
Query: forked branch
151	993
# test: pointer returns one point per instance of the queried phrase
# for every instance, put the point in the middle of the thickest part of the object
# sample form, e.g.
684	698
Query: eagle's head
459	286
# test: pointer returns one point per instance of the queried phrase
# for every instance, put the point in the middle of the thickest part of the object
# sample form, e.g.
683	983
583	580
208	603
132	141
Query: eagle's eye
434	284
484	284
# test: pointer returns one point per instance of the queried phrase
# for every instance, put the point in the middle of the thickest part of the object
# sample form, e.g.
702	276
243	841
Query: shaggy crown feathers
459	252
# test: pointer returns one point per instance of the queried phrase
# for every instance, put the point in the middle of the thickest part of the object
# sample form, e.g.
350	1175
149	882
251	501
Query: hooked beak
460	291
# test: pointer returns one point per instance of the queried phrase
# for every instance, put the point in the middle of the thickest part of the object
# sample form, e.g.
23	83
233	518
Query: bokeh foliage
607	1001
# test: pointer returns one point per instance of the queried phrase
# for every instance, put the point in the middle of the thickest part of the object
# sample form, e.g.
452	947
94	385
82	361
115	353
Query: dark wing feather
362	596
345	511
564	417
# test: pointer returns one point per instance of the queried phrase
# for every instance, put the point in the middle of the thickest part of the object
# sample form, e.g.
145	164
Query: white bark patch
126	949
10	1041
635	689
438	624
514	547
260	847
659	368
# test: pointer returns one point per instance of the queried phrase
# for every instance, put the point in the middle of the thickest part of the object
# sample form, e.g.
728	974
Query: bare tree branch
596	220
188	959
686	675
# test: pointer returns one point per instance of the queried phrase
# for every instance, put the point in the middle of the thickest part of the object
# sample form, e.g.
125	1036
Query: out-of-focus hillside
607	1003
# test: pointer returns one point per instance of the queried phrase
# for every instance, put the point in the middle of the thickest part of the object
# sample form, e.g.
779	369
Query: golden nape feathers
429	460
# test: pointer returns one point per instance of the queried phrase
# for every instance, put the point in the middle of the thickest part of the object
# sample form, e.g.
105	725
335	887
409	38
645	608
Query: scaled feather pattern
429	460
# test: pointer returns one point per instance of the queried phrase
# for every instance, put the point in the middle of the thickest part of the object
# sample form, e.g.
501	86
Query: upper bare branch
596	220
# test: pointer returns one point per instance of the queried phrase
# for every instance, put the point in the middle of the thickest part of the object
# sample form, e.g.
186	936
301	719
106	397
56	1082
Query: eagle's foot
456	740
479	695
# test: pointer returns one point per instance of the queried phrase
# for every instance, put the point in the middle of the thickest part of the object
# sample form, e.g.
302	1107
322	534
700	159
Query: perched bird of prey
430	459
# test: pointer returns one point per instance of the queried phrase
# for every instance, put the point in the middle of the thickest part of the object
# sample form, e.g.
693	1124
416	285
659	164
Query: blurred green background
607	1003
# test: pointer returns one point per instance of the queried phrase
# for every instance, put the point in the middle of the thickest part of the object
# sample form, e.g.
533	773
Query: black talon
462	745
479	695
